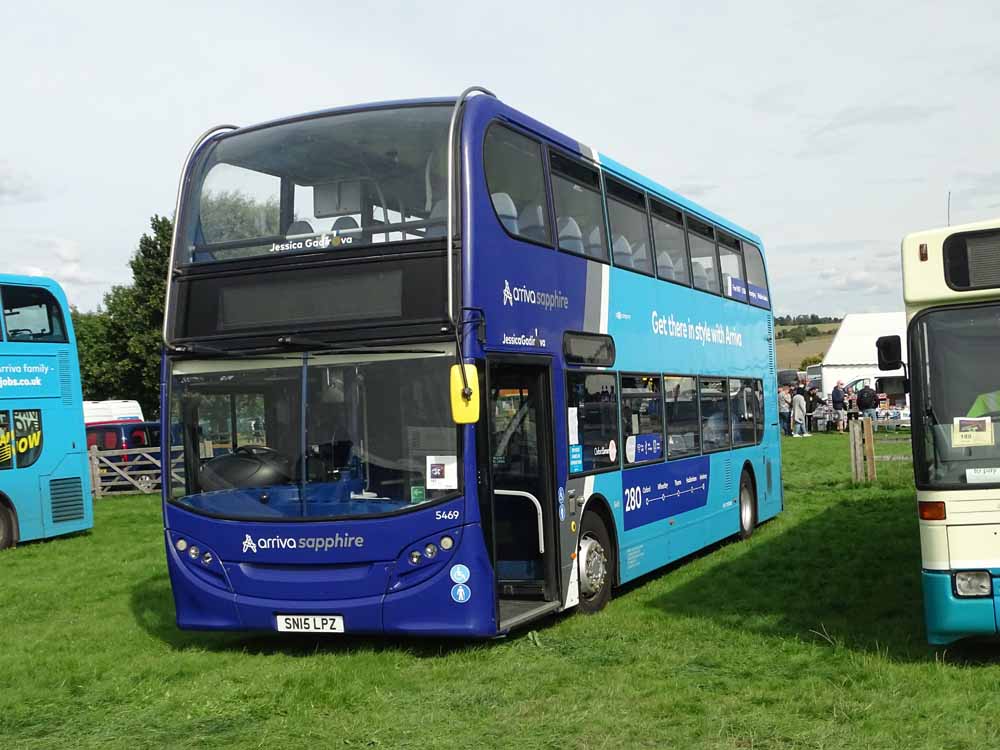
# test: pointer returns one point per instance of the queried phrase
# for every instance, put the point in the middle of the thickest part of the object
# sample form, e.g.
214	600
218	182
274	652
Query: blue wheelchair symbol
461	593
459	573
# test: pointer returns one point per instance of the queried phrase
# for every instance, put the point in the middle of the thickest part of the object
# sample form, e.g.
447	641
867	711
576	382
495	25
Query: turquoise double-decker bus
440	369
44	474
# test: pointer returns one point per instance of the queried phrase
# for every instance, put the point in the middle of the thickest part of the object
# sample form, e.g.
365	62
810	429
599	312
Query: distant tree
120	345
232	215
797	334
99	354
812	359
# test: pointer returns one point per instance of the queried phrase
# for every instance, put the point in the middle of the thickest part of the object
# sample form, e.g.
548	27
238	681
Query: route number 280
446	515
633	498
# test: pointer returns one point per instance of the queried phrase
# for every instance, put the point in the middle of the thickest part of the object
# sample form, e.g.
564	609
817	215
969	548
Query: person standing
799	414
867	401
838	397
785	410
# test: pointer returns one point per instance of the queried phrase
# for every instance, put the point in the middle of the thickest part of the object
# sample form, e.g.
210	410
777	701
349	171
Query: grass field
807	636
789	354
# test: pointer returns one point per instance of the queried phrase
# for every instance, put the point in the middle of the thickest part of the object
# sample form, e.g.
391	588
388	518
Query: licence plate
309	623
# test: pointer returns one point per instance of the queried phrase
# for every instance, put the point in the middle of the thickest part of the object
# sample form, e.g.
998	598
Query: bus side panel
67	505
22	490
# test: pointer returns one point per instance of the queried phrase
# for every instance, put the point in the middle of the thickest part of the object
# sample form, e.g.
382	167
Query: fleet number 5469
446	515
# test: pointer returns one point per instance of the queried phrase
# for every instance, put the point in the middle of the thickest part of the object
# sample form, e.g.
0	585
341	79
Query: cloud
60	259
778	100
883	114
696	189
976	186
16	188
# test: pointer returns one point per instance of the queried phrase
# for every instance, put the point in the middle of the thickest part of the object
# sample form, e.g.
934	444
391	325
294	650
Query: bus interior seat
437	220
570	236
595	245
532	223
345	225
299	228
622	251
640	258
700	275
665	266
506	210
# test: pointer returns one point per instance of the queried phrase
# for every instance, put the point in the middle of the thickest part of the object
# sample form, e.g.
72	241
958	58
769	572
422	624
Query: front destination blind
251	302
261	302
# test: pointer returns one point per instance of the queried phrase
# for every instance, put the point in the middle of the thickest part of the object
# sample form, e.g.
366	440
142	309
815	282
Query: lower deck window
681	412
592	421
642	418
713	395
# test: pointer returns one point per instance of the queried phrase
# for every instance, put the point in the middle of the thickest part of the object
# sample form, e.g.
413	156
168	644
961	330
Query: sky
829	129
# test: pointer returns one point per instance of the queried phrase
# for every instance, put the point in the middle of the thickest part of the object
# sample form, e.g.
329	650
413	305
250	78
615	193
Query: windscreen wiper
207	349
331	347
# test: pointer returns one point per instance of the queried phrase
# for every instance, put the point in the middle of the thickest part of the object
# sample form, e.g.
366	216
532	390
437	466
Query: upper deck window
576	189
731	265
31	313
671	247
322	184
630	243
516	182
756	278
704	268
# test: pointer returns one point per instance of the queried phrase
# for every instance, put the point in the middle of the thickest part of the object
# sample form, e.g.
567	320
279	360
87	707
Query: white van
97	412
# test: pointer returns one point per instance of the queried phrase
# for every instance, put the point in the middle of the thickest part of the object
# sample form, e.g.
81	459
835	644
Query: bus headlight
973	583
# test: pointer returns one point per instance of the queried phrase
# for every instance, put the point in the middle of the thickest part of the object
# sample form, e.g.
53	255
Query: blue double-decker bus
44	472
439	369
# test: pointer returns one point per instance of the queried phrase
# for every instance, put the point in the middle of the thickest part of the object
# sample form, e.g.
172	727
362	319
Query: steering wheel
246	466
255	451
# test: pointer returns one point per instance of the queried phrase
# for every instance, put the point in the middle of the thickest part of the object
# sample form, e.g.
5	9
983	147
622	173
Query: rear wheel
748	506
595	564
6	528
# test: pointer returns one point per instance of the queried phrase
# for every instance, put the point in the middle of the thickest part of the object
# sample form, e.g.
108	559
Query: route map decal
653	493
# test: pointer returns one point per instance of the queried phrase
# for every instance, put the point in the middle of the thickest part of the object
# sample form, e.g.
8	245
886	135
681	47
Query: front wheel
748	506
595	564
6	528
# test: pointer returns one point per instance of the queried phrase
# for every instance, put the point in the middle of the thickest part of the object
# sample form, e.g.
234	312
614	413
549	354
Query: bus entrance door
521	464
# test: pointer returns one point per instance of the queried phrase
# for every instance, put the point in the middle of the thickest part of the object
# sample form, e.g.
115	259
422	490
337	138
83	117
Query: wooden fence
863	436
132	470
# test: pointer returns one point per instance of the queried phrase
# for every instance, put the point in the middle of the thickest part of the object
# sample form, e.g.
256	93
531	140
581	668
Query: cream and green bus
951	286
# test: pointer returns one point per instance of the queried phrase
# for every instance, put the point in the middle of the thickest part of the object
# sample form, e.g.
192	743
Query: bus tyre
595	563
748	506
6	528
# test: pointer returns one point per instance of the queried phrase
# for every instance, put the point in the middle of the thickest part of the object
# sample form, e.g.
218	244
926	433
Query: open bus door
522	474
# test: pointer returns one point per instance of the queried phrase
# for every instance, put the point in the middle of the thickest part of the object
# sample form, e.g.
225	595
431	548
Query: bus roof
545	130
924	281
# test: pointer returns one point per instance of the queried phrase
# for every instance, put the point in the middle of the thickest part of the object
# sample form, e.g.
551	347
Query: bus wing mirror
890	352
464	394
892	386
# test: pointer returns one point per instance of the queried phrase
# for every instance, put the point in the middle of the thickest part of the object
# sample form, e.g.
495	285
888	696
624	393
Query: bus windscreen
321	184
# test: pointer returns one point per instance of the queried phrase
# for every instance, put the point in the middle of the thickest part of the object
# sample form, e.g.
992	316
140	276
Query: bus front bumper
206	601
950	618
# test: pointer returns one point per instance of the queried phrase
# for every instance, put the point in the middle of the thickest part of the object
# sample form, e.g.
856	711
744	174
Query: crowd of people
797	403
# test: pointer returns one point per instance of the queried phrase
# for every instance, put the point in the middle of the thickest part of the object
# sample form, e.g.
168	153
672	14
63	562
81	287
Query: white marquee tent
852	354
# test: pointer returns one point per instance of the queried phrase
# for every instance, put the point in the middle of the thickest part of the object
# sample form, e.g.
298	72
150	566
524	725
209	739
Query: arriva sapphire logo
315	543
554	300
